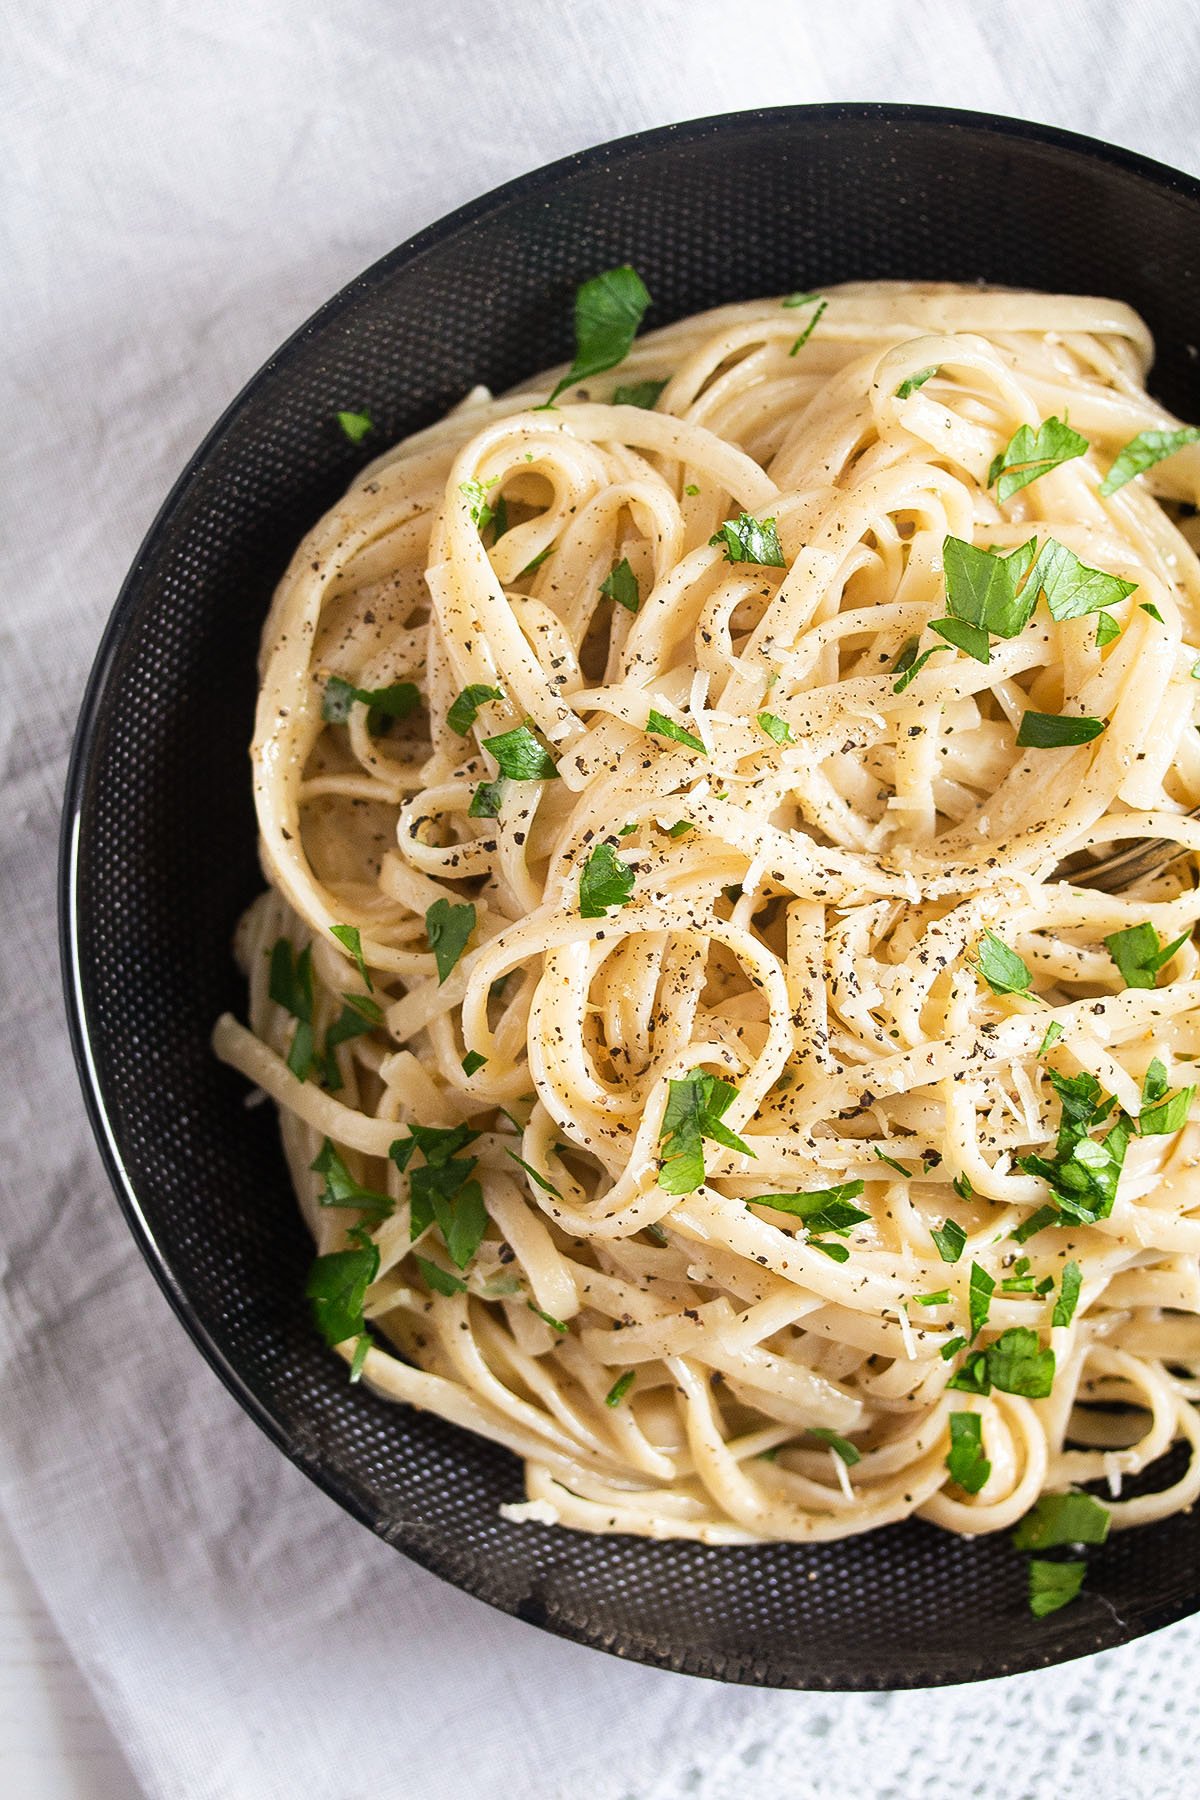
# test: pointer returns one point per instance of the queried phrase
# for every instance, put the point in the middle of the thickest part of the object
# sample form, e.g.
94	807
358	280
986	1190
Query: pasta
695	1070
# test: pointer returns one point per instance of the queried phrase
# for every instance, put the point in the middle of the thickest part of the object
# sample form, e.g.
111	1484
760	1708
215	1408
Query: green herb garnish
658	725
355	425
775	727
465	708
290	985
472	1061
1139	955
448	927
911	383
979	1299
620	1388
747	539
548	1319
603	882
535	1175
341	1189
694	1110
439	1279
608	311
1057	1519
486	800
1001	967
521	757
350	939
951	1240
638	393
1068	1295
1055	731
967	1464
337	1285
621	585
1029	454
1052	1585
394	702
1143	451
840	1446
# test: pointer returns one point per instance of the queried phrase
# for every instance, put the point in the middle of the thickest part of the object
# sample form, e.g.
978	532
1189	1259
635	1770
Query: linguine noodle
809	892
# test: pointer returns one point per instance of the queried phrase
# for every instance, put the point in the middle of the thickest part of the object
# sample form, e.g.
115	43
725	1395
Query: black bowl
159	839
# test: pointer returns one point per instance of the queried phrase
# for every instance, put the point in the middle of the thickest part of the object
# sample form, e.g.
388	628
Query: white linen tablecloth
183	185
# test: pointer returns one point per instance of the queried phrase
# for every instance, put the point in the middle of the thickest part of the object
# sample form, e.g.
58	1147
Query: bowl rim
611	154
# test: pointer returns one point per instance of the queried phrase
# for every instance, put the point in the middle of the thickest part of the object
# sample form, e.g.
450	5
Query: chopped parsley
967	1464
1055	731
1072	589
1139	955
849	1453
979	1299
448	928
290	985
465	708
394	702
747	539
694	1110
603	882
775	727
951	1240
1053	1032
1001	967
441	1190
911	383
1068	1295
1143	451
521	757
608	311
818	309
1015	1363
823	1210
1052	1585
439	1279
1161	1115
1029	454
359	1015
350	939
337	1285
476	493
362	1344
1084	1171
356	425
486	800
638	393
620	1388
472	1061
891	1163
908	664
1106	629
535	1175
621	585
341	1189
548	1319
940	1298
1037	1221
1057	1519
658	725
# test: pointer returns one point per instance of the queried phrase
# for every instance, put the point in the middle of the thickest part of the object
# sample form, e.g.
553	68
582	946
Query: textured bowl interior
159	845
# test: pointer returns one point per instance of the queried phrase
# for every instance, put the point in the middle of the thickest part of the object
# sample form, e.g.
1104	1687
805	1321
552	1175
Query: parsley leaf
1106	629
658	725
1139	955
290	985
1001	967
621	585
1054	731
967	1464
477	493
358	1361
358	1016
1030	453
1053	1032
908	664
337	1285
950	1239
1071	587
548	1319
341	1189
775	727
1084	1173
486	800
535	1175
465	708
1166	1116
603	882
747	539
1068	1295
849	1453
1143	451
892	1163
982	588
608	311
1057	1519
521	757
979	1299
694	1109
810	327
473	1060
394	702
911	383
350	938
620	1388
448	927
1017	1364
440	1280
356	425
1053	1585
823	1210
940	1298
638	393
